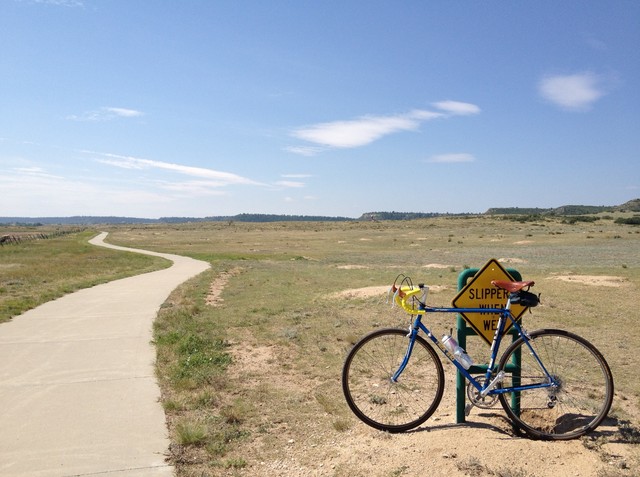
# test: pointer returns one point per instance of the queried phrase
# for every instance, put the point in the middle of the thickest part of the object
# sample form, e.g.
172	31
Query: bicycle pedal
467	409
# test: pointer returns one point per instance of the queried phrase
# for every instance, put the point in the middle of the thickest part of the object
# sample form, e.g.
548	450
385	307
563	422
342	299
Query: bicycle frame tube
551	381
449	355
505	315
405	360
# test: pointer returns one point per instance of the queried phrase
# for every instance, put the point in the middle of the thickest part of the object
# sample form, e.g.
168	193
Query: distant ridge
75	220
630	206
565	210
112	220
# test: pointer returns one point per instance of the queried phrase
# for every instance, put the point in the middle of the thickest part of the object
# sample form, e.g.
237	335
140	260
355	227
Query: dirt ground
485	445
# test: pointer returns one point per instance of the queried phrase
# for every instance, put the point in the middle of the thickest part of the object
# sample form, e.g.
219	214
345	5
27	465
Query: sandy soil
595	280
214	297
485	445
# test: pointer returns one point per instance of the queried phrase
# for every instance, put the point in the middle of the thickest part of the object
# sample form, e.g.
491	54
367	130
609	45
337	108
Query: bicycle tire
378	401
575	407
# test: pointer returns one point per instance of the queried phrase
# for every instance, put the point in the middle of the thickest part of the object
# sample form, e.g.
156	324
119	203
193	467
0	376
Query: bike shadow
612	429
617	431
504	428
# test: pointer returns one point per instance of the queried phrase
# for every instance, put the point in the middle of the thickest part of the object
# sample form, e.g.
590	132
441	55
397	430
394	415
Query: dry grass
255	374
37	271
290	311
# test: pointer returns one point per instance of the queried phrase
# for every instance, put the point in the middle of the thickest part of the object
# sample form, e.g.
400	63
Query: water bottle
461	357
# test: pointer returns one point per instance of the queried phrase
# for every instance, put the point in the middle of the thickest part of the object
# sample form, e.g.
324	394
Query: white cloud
216	178
457	108
61	3
361	131
290	184
575	92
32	192
123	164
34	171
304	150
106	114
193	188
123	112
40	194
367	129
452	158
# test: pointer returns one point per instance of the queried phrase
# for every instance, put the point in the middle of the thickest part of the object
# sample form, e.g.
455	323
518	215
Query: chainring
477	400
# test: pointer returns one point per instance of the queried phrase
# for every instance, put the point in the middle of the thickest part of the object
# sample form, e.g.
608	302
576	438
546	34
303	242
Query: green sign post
466	278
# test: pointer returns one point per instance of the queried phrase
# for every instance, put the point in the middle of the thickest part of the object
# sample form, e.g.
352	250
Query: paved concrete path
78	395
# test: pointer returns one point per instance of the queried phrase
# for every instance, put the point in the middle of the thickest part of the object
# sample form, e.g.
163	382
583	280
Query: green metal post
463	332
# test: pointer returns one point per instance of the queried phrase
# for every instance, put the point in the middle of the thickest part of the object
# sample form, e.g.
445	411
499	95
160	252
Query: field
38	270
250	352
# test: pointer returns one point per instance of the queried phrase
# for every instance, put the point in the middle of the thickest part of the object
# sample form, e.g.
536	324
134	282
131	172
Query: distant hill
99	220
76	220
276	218
565	210
517	211
630	206
400	215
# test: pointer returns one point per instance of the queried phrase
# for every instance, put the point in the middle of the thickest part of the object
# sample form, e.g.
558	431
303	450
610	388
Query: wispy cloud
31	191
367	129
32	171
457	108
304	150
452	158
60	3
193	188
215	178
106	114
123	112
290	184
576	92
363	130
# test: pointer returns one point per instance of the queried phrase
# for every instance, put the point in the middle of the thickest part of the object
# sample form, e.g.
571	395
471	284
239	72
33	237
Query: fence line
16	238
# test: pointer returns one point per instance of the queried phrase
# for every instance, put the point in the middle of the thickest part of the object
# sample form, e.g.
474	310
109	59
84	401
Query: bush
635	220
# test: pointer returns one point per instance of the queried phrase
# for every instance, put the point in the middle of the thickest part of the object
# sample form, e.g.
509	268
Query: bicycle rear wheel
576	405
375	398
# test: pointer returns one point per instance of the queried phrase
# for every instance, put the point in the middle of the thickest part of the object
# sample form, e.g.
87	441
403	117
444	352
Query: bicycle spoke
375	398
581	392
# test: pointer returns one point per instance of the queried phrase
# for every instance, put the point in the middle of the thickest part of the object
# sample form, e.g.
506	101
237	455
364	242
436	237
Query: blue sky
200	108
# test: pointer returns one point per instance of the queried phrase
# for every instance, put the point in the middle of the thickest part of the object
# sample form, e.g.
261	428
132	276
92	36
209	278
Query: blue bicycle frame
488	386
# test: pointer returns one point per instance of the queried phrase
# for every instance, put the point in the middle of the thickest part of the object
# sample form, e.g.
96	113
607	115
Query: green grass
36	271
282	298
263	368
191	433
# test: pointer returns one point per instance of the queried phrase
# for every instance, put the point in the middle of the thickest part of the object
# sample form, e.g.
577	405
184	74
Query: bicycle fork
413	332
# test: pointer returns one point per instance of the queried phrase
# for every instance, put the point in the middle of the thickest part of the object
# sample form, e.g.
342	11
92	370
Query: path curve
78	393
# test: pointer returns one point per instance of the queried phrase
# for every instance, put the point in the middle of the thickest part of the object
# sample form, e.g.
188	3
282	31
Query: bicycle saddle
512	286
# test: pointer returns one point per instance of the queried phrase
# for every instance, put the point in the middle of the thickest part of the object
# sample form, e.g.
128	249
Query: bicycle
552	384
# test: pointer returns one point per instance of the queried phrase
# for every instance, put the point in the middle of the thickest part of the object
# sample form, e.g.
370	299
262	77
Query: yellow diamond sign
480	293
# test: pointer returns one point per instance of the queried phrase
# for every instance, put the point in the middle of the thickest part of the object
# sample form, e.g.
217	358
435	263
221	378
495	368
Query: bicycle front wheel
375	398
578	401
